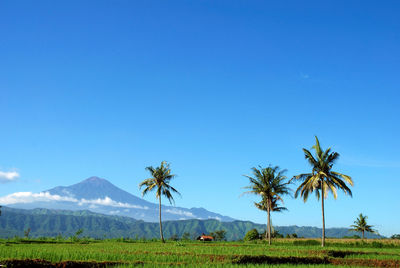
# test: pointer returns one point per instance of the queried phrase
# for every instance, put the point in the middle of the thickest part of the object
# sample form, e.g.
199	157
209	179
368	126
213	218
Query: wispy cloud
216	218
8	176
180	212
29	197
109	202
304	76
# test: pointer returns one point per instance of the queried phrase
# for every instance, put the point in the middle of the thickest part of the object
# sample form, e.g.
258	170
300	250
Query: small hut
204	237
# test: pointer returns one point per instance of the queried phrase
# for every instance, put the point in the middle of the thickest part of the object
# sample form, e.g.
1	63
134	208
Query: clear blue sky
107	88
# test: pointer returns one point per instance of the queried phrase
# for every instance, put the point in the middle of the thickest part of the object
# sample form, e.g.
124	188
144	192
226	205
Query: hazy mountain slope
94	188
44	222
101	196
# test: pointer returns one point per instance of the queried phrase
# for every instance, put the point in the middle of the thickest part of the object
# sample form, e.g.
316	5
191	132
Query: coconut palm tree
360	225
322	178
160	179
263	205
270	184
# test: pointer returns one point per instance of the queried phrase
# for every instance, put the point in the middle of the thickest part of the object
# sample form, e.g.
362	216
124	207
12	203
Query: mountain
45	222
101	196
315	232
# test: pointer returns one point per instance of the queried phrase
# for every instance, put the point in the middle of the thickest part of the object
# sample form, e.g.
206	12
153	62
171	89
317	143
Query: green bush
395	236
251	235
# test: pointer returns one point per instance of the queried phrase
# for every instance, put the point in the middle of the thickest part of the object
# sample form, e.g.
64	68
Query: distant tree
395	236
79	232
276	234
294	235
75	237
251	235
0	210
360	225
322	178
26	232
352	237
287	236
219	235
186	236
160	179
174	237
270	183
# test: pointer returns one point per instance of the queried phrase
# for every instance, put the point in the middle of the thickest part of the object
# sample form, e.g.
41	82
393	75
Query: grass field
284	252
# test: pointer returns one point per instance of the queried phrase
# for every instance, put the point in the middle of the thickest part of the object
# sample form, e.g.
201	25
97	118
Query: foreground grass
284	252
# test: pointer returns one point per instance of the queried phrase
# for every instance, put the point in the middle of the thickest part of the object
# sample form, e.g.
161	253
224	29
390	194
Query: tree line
271	185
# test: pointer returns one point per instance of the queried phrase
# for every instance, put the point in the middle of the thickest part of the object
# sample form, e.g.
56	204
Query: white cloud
180	212
114	211
8	176
29	197
215	218
108	202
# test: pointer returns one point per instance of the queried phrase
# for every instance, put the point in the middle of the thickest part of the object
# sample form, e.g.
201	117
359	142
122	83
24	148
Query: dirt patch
343	253
367	263
248	259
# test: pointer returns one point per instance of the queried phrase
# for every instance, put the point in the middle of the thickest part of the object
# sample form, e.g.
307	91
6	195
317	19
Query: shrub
186	236
251	235
395	236
219	235
174	237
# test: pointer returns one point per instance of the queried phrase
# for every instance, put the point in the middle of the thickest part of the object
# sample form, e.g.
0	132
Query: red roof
207	237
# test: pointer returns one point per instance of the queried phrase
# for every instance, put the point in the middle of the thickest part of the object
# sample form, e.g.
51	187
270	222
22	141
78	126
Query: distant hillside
46	222
314	232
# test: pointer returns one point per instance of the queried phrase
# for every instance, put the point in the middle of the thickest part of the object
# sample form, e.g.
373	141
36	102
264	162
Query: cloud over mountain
29	197
101	196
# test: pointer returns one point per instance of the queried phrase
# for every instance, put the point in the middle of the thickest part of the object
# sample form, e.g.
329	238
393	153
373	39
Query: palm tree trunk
323	214
363	235
269	226
161	232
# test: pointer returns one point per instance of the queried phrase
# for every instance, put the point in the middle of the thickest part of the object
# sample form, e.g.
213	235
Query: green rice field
131	253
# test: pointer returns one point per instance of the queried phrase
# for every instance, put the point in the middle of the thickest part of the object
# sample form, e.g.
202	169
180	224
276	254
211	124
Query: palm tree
360	225
322	179
270	184
262	205
160	179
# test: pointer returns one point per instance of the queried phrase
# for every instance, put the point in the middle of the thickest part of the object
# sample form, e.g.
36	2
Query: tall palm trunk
363	235
161	232
323	214
269	224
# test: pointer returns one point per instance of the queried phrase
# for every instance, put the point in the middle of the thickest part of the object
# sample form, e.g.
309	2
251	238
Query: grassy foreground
284	252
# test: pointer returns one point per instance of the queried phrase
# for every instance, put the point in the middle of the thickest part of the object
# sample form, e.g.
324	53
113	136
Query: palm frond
321	173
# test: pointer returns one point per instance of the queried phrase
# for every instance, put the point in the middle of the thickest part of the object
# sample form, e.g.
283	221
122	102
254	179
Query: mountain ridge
47	222
101	196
